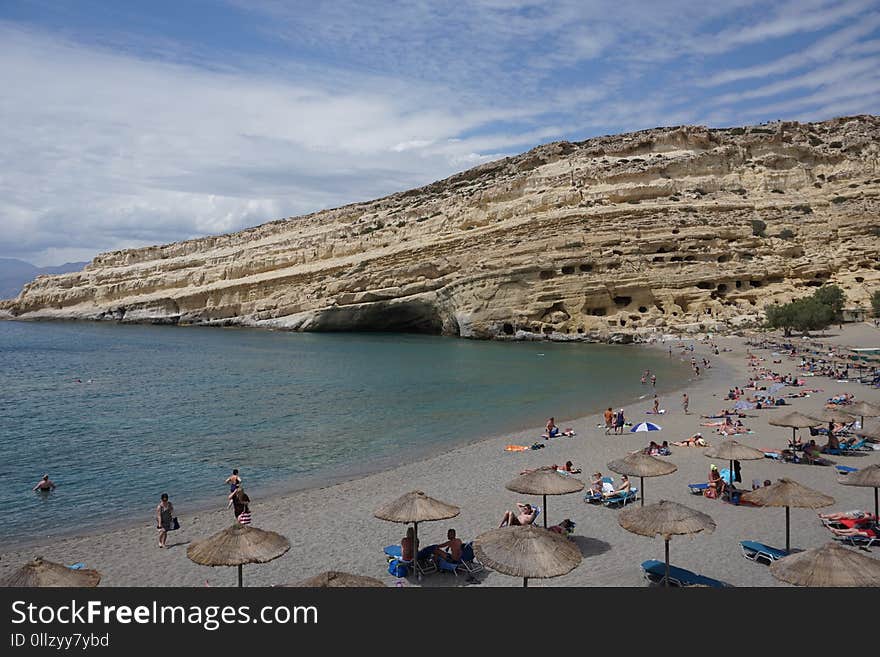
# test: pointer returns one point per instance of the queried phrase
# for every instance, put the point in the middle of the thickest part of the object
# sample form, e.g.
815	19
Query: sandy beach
334	527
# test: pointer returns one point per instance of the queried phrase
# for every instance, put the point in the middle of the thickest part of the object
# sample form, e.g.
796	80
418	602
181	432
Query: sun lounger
761	553
621	499
655	573
468	562
845	469
422	566
698	489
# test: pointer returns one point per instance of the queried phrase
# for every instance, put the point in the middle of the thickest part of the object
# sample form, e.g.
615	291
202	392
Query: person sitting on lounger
450	550
832	444
526	516
622	489
406	545
716	483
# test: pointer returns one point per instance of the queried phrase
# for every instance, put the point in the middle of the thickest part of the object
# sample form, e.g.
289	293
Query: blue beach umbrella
645	426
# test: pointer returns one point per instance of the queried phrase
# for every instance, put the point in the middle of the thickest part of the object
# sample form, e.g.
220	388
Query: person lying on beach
45	484
696	440
565	527
526	516
856	514
569	468
651	449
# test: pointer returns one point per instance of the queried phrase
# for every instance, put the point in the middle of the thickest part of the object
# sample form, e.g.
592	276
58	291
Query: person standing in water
45	484
233	480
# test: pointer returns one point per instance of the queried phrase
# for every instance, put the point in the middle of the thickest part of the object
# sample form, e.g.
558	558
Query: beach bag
397	568
244	518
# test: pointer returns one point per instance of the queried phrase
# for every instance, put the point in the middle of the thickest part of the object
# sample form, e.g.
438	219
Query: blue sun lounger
761	553
655	572
622	499
845	469
698	489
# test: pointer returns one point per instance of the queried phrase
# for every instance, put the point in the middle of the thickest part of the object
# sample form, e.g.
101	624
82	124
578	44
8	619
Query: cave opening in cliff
407	317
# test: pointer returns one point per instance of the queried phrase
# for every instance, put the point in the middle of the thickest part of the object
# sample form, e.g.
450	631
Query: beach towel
660	412
516	448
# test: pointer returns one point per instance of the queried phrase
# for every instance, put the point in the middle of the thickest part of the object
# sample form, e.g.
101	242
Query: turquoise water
173	409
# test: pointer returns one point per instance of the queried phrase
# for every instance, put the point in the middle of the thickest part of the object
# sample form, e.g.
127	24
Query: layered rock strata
611	238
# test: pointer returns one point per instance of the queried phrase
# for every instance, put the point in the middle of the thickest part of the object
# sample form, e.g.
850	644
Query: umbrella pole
787	530
642	486
416	551
875	504
666	579
525	582
545	512
239	576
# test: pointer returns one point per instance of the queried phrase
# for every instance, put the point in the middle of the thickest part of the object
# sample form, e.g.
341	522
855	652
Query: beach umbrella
238	545
788	493
666	519
41	572
545	481
869	432
415	507
731	450
336	579
795	420
829	565
645	426
864	409
869	477
832	415
639	464
527	551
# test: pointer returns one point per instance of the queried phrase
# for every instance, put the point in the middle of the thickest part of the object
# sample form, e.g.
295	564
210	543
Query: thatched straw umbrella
731	450
869	477
863	409
872	433
641	465
796	421
527	551
335	579
788	493
40	572
238	545
666	519
829	565
415	507
545	481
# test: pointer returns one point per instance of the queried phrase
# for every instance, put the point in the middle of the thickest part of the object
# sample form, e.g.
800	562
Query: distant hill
14	274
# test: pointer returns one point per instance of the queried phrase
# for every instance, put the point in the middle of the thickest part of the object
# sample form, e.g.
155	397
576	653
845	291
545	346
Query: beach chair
859	541
468	562
698	489
655	573
421	566
595	498
755	551
621	499
845	469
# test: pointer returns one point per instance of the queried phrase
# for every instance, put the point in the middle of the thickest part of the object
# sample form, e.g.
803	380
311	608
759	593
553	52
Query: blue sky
126	123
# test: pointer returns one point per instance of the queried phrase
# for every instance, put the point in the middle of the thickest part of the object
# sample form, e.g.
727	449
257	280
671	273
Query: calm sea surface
118	414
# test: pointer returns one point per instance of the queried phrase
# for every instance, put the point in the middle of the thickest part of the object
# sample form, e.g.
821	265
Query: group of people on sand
614	422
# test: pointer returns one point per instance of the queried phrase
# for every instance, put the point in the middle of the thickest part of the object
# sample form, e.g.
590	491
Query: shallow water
117	414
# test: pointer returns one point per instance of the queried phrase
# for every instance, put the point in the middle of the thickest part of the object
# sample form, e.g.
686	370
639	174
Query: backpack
397	568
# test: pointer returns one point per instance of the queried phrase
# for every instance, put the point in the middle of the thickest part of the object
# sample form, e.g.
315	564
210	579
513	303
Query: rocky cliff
610	238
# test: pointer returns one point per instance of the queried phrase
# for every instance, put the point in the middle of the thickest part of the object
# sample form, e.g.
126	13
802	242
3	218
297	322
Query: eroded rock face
683	228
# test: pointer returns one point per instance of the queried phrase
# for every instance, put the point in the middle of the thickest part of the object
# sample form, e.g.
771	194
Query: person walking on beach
609	420
239	501
656	410
684	403
164	513
45	484
619	422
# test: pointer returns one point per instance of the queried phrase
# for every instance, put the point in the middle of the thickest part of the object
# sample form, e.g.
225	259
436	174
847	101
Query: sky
125	124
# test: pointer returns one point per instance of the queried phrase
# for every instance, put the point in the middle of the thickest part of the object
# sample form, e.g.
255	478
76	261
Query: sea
118	414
